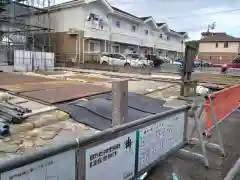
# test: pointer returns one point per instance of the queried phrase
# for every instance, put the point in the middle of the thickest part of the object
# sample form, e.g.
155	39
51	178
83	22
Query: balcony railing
124	38
96	30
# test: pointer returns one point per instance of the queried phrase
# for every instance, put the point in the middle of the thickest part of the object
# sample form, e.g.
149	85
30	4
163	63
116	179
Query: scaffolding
25	25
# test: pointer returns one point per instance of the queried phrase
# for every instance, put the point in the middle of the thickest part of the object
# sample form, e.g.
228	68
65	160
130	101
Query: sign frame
49	167
81	151
79	145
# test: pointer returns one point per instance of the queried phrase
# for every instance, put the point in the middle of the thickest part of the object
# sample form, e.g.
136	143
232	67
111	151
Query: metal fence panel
131	151
24	160
126	152
54	168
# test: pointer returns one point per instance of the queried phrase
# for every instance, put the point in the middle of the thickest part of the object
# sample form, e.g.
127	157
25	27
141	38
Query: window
118	24
145	51
116	49
133	56
161	36
94	21
94	46
93	17
236	60
146	32
118	56
216	45
226	45
134	28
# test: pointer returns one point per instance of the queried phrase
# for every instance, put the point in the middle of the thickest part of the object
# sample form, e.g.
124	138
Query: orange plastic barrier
224	102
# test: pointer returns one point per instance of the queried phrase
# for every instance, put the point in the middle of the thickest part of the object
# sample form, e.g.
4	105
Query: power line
203	14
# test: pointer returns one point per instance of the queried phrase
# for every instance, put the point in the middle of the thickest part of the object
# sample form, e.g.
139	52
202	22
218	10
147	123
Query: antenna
211	26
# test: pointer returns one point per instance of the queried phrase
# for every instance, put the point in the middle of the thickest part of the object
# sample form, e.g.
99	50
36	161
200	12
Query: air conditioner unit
72	31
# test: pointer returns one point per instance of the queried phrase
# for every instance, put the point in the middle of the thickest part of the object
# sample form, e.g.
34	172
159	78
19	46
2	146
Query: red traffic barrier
224	103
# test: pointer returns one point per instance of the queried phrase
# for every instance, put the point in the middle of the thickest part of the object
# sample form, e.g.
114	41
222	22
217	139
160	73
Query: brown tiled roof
219	37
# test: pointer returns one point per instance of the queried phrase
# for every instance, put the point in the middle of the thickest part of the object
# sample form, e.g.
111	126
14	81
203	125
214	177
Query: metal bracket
197	128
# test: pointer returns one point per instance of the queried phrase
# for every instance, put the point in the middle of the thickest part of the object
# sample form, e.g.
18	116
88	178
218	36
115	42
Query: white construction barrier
33	60
22	60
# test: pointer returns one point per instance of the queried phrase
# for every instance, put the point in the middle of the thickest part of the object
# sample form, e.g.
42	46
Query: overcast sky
192	16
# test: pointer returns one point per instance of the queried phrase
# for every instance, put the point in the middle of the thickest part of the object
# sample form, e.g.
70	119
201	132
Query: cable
203	14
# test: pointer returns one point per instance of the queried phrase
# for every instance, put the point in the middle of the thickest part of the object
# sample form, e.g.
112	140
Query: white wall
233	47
62	20
124	34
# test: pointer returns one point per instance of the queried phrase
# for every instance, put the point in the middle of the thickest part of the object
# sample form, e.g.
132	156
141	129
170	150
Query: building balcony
170	45
148	42
96	31
124	38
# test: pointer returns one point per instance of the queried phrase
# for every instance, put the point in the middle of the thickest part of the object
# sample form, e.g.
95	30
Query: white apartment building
93	26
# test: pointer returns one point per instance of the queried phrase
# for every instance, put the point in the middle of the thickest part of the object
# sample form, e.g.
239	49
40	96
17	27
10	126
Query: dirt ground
192	169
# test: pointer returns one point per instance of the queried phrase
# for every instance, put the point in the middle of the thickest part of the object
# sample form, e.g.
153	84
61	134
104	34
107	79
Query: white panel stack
39	60
31	61
58	167
49	61
22	60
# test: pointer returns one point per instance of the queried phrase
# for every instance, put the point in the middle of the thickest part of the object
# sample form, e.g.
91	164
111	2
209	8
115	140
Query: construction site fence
122	152
92	61
219	105
74	60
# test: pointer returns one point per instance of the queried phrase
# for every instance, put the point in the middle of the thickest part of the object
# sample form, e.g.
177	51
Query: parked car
179	63
137	57
202	63
157	61
167	59
119	60
235	63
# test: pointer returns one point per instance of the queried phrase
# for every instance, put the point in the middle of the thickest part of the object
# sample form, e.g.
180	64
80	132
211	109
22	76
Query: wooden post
120	102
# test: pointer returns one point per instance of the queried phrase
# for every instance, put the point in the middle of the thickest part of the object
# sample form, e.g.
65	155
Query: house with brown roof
218	48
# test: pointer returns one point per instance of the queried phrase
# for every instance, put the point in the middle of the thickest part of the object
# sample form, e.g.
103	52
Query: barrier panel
121	153
33	60
224	102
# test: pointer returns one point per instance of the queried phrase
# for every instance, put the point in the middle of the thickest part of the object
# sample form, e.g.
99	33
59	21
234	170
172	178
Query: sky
192	16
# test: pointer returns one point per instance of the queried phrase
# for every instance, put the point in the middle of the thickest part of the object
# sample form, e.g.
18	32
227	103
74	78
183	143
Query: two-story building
218	48
84	27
